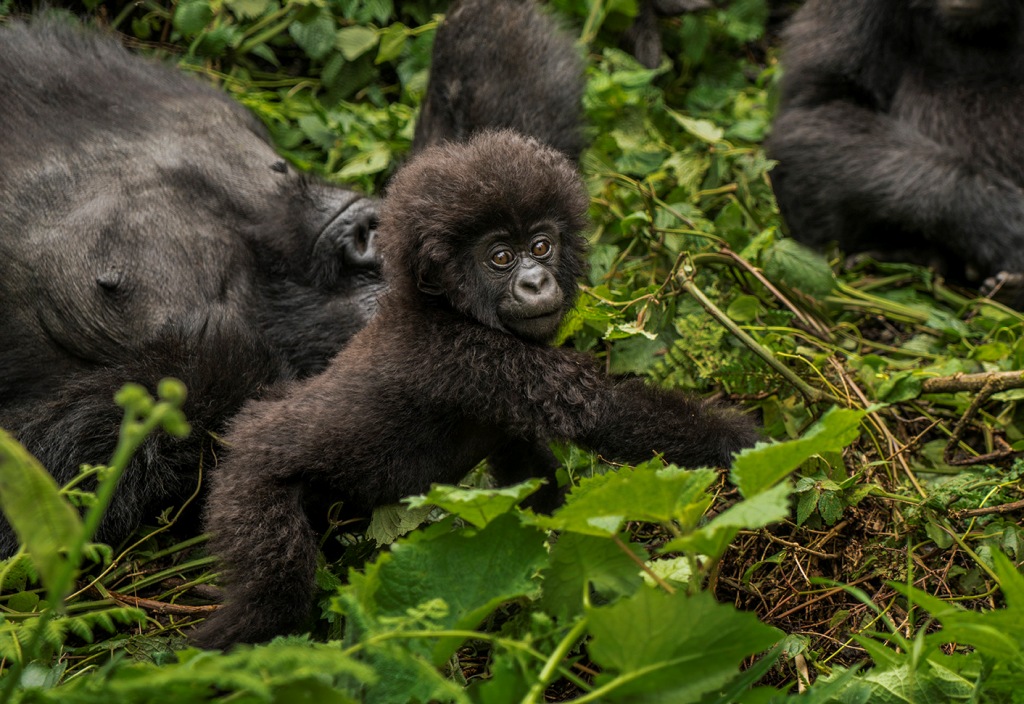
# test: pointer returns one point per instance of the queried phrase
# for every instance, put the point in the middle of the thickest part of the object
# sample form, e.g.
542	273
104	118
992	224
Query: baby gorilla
482	248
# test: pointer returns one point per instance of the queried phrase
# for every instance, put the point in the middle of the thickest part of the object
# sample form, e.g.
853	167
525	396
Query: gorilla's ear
428	271
428	287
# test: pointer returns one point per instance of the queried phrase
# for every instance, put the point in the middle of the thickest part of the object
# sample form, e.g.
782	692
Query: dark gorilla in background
643	38
148	229
503	64
898	131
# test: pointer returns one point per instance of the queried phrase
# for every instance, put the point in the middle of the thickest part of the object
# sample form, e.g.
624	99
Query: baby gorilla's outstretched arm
638	420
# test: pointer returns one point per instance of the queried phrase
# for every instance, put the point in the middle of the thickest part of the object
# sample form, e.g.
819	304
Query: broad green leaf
248	8
745	19
275	672
42	519
831	506
901	386
758	468
507	684
142	29
906	684
677	570
353	42
600	505
1011	582
799	267
391	522
216	41
656	647
404	676
477	506
758	511
467	573
316	36
317	132
191	16
371	161
807	501
704	130
744	308
580	563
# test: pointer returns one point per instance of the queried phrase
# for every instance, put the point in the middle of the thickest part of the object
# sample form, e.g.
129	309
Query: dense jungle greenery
867	554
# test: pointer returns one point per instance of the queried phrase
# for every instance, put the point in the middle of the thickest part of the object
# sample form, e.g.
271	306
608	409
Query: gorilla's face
970	19
516	272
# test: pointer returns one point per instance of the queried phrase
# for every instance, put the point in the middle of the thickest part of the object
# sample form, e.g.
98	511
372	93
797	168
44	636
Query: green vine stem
685	278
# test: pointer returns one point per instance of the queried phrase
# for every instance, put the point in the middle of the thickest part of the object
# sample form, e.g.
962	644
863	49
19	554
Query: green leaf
758	511
248	8
758	468
31	501
392	40
353	42
1011	582
704	130
656	647
901	386
466	574
286	670
580	563
372	160
743	309
391	522
831	506
316	36
477	506
907	684
798	266
601	504
807	501
191	16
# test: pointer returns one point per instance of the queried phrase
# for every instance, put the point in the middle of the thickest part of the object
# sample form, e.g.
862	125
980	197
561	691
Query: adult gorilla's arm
893	180
220	365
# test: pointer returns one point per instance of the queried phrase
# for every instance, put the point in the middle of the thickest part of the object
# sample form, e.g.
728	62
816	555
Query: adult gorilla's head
983	19
491	227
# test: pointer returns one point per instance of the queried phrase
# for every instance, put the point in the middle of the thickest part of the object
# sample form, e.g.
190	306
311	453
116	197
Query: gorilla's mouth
535	327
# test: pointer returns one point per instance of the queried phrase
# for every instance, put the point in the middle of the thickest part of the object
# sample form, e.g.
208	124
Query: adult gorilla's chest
110	244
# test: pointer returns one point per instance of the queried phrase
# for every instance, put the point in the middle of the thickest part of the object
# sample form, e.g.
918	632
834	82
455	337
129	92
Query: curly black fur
898	131
439	380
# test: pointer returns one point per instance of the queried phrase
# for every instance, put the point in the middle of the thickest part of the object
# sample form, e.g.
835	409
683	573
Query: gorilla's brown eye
502	258
541	248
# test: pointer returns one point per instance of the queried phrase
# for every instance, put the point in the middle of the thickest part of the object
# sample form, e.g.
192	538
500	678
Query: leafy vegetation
868	554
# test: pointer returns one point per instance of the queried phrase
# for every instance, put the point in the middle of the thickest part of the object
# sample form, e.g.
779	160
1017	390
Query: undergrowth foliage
867	552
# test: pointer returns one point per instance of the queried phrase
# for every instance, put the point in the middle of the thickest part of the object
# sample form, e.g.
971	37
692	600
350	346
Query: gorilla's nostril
364	235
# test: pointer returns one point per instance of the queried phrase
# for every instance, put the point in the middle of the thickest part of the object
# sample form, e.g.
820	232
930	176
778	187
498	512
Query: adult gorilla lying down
148	229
